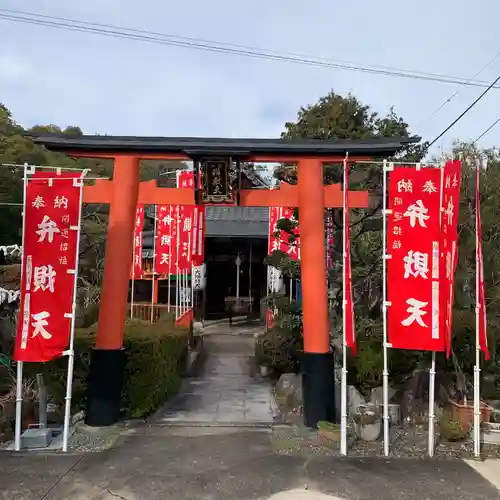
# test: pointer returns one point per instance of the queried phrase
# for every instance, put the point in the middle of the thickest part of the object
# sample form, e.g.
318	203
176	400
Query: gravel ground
406	442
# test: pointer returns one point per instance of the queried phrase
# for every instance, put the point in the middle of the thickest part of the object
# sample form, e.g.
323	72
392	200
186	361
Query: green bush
280	348
155	363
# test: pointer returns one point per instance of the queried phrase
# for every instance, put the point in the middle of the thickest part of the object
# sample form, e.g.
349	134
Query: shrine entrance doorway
235	271
217	181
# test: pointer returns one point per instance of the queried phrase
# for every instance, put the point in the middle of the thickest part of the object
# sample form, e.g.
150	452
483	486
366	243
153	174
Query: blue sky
115	86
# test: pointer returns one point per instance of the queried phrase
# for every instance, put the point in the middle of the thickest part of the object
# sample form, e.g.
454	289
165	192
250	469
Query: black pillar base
105	387
318	388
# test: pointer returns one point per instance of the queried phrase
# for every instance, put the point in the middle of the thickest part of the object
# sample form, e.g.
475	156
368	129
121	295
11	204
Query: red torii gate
125	191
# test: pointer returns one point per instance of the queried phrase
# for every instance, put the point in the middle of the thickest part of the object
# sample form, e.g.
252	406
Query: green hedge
155	364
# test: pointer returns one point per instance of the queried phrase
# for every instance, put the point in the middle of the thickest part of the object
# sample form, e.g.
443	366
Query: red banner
184	235
349	322
413	267
138	228
329	238
198	236
480	292
185	179
280	241
51	226
449	245
166	237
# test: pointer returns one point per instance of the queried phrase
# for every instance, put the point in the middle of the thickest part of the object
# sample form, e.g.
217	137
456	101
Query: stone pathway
228	391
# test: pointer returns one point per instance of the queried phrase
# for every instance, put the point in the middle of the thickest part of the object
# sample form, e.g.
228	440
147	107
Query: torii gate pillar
108	357
317	361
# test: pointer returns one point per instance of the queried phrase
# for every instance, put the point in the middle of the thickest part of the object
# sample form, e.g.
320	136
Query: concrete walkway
195	463
228	391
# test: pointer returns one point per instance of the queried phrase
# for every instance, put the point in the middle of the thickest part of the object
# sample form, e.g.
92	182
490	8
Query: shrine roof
245	222
191	146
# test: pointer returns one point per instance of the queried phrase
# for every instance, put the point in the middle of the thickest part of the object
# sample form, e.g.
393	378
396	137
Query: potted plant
368	422
328	433
463	412
451	429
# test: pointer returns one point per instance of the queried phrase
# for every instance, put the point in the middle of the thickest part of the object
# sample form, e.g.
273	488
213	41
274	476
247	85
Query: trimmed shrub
279	348
155	364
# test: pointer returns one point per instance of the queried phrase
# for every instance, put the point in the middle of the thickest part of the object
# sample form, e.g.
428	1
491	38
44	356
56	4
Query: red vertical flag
138	228
449	245
413	267
184	237
329	238
280	240
198	236
185	179
165	245
349	321
51	226
480	292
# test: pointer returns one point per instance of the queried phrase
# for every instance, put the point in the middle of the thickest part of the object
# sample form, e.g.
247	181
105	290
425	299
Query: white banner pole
343	403
19	367
385	304
169	257
477	368
177	275
71	350
132	290
189	292
153	270
250	303
432	371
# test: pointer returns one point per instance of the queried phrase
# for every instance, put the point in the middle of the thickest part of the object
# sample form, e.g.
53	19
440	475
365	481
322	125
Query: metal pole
154	268
132	291
385	304
189	296
477	369
432	370
250	276
19	367
238	262
177	277
169	258
343	403
71	351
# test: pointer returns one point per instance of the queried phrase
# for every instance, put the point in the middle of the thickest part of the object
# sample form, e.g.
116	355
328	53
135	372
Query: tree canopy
338	117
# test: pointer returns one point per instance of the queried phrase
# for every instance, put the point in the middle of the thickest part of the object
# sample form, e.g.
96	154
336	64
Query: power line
213	46
450	98
464	113
487	130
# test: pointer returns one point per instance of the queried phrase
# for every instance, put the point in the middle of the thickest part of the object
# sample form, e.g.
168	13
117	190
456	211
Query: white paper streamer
10	250
9	295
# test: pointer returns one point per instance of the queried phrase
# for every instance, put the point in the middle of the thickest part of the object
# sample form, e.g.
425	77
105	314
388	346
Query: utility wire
487	130
212	46
464	113
452	96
